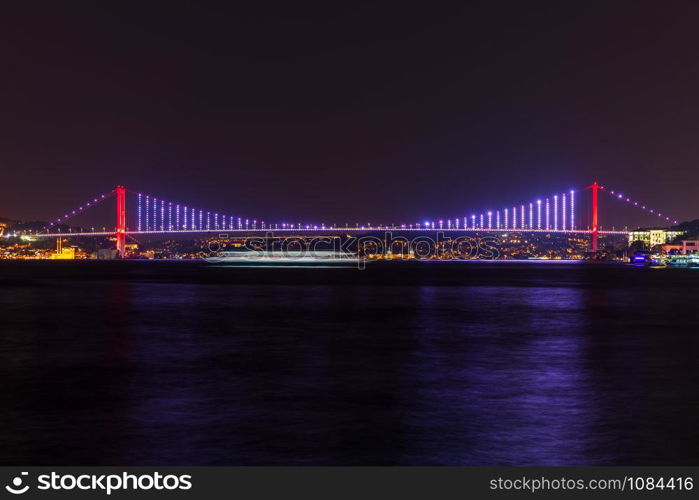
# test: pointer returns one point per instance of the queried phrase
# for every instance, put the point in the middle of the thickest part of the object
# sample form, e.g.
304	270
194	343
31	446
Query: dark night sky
373	112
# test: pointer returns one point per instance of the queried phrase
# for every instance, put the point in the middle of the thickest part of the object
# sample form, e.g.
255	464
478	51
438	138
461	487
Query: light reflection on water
522	390
557	367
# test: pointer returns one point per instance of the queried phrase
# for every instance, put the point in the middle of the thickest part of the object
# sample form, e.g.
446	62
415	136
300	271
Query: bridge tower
595	206
121	220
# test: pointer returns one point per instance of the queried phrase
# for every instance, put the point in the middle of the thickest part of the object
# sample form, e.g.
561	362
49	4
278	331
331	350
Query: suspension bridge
145	214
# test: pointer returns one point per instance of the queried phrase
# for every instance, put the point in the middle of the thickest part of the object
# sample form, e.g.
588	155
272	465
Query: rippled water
168	363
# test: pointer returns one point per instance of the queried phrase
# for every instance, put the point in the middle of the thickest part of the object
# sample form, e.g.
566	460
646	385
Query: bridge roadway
316	231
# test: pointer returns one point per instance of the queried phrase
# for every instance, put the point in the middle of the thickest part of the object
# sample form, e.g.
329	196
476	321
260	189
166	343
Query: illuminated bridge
145	214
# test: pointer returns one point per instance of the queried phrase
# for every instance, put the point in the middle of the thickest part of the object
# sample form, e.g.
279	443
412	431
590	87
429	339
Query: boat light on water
691	260
644	257
284	257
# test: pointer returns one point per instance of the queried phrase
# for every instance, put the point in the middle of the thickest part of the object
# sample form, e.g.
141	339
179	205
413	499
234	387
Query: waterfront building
655	236
672	249
685	247
689	246
65	253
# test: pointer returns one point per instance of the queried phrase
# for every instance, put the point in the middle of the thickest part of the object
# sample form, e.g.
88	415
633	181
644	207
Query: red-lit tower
595	223
121	220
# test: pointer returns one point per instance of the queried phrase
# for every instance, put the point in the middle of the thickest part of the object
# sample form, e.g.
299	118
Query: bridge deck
319	231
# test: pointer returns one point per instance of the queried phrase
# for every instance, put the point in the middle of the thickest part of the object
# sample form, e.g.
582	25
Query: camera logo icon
16	487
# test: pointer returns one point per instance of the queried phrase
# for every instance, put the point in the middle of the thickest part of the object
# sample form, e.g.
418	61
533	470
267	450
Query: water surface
172	363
